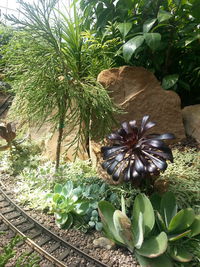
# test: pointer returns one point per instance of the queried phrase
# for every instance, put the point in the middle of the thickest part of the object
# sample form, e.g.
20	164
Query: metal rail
43	230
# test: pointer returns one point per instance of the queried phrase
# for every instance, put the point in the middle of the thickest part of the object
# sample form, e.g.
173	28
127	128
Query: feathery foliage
51	78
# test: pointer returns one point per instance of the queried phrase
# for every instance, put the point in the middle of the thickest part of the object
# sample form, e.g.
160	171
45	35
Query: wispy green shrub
51	77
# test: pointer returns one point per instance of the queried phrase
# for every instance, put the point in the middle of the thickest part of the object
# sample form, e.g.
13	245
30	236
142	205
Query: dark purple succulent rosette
135	155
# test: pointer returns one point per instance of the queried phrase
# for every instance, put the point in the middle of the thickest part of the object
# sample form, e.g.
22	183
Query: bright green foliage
136	234
162	36
52	75
184	178
9	252
75	206
66	205
177	225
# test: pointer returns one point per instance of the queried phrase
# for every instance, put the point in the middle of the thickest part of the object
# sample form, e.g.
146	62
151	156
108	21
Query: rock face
139	93
48	140
191	120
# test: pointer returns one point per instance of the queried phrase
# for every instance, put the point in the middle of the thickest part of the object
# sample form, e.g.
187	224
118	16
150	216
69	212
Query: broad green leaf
68	188
137	229
123	227
160	222
195	227
163	15
58	188
152	40
177	237
124	28
192	39
64	218
143	205
81	208
58	198
161	261
180	254
168	207
182	220
148	24
106	212
154	246
130	47
69	222
155	201
169	81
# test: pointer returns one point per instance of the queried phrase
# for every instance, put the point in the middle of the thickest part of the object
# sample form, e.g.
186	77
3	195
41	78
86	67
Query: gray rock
191	120
104	242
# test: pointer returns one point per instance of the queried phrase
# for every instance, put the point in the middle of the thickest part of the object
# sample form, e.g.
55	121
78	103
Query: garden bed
186	166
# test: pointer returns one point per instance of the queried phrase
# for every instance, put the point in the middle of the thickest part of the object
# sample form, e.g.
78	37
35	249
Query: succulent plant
134	154
136	233
182	224
8	131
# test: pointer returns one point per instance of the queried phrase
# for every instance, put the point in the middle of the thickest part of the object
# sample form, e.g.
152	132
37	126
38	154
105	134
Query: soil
117	257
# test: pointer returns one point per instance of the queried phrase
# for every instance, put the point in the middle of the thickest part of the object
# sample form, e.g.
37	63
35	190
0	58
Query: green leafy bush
162	36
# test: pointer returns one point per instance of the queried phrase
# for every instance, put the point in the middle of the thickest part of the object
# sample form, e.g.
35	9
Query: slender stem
59	141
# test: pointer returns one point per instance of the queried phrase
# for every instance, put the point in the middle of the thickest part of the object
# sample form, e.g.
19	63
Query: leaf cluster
76	206
154	229
162	36
51	67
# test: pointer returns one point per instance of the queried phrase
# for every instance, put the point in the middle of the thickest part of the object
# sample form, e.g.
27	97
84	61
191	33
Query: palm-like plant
134	155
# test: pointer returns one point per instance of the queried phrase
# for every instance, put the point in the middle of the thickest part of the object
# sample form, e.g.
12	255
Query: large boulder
138	92
191	120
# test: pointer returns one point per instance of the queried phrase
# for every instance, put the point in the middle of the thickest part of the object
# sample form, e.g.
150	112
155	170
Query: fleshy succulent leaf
195	227
137	229
106	212
155	201
123	228
133	154
179	236
143	205
182	220
154	246
168	207
161	261
180	254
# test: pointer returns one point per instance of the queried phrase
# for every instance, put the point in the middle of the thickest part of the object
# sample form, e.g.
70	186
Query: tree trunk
59	141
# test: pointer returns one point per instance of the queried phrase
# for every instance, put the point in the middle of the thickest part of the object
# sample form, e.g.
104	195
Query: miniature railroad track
37	236
6	104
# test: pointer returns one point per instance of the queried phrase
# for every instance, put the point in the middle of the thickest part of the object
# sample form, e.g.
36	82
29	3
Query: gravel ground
117	257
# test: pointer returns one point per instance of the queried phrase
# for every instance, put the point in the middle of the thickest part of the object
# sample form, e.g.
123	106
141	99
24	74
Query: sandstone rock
191	120
48	140
103	242
138	92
